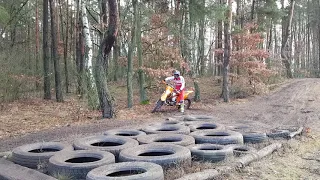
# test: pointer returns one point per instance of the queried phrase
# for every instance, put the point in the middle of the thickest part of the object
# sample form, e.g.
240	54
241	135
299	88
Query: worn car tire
127	171
113	144
279	134
131	133
172	122
162	154
239	150
77	164
32	155
177	139
199	118
222	137
168	128
254	137
197	126
240	128
210	152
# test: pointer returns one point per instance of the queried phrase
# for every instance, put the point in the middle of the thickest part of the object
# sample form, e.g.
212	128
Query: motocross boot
182	107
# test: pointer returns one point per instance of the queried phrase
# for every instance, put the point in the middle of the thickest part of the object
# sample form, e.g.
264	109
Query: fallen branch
249	158
299	131
203	175
243	161
5	154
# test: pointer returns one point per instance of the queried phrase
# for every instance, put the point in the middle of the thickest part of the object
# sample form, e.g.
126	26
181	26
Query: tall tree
55	54
130	54
65	52
285	48
91	86
105	98
45	48
143	96
227	50
37	54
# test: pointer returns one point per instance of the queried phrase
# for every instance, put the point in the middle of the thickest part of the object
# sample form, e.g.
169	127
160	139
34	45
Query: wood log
299	131
203	175
249	158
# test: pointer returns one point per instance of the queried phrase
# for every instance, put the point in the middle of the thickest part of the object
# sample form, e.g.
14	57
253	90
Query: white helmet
176	72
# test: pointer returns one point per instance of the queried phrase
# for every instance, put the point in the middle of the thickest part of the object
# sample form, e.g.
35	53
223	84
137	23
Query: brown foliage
248	55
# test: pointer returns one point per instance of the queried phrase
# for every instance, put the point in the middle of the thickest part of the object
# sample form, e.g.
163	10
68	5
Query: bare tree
45	48
55	55
105	99
227	51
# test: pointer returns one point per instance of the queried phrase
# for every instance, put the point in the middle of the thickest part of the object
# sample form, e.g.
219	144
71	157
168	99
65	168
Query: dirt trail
296	103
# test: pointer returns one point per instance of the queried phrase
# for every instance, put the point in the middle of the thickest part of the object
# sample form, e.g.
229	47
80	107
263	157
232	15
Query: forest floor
293	103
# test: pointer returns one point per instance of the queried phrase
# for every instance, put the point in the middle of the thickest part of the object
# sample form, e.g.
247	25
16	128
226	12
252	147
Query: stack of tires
140	153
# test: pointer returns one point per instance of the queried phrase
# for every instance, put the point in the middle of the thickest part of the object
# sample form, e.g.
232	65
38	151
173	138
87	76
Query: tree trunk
79	53
91	86
106	101
55	55
65	52
219	57
201	40
285	48
143	96
45	48
130	54
227	51
37	55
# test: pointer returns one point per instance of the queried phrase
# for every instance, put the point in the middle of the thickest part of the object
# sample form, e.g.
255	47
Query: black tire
197	126
199	118
187	103
158	106
177	139
113	144
254	137
168	128
222	137
162	154
210	152
240	128
131	133
77	164
172	122
240	150
32	155
127	171
278	134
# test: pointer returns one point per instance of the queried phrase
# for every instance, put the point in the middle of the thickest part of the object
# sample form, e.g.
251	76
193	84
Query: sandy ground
295	103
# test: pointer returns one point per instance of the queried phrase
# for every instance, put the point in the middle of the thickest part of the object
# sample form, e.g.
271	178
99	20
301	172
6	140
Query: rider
179	87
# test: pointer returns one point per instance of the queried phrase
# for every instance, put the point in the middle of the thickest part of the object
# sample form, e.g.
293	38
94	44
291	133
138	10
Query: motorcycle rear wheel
158	106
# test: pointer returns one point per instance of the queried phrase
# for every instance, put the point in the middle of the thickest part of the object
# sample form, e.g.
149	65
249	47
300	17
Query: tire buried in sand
198	126
131	133
254	137
222	137
239	149
210	152
32	155
177	139
162	154
127	171
168	128
199	118
77	164
113	144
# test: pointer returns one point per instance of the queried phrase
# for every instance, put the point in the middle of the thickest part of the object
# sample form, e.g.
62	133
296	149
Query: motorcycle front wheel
158	106
187	104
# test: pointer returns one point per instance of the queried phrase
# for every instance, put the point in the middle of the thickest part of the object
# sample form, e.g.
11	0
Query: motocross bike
169	98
